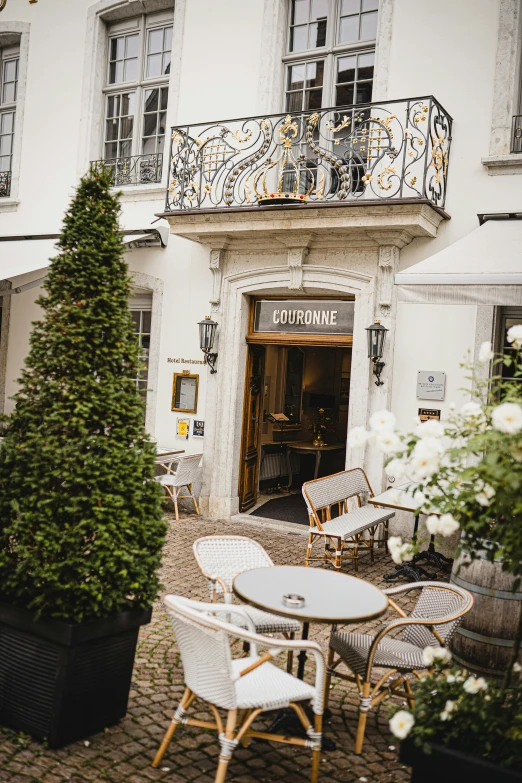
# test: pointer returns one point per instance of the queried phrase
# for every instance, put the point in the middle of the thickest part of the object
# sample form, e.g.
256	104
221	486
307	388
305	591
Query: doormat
291	508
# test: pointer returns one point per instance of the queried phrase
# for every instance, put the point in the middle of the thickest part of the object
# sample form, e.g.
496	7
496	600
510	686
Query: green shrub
81	524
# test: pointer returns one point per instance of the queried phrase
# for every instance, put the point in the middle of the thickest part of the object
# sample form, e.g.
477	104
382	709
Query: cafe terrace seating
346	531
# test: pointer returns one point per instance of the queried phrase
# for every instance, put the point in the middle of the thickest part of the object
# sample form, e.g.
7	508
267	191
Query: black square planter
63	682
451	766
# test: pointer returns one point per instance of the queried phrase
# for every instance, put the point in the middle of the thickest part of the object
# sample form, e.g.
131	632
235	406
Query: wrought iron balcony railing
391	151
516	134
136	170
5	184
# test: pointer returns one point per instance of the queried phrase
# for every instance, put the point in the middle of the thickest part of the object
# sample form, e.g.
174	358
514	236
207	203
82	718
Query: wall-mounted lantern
207	333
376	340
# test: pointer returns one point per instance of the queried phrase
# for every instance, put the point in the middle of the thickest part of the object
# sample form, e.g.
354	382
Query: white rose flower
448	524
399	552
401	724
357	437
445	715
425	458
442	654
517	667
514	336
388	442
471	410
427	656
485	495
507	418
396	468
430	429
406	553
451	678
475	684
485	352
432	525
452	406
382	420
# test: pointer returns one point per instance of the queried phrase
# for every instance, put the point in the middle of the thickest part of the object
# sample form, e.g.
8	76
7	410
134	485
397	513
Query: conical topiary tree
81	527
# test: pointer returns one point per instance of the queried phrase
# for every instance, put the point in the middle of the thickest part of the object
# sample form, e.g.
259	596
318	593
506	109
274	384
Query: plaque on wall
185	392
431	385
305	316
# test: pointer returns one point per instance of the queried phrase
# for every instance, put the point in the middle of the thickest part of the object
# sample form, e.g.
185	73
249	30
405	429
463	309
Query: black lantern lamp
376	340
207	332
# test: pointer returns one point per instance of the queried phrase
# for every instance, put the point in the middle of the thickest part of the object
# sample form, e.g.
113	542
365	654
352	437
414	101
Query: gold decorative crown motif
287	169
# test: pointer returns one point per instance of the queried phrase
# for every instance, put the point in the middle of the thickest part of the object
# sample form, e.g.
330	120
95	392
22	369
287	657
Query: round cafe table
330	598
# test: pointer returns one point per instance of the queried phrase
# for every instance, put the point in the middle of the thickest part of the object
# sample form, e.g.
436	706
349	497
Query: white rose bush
464	712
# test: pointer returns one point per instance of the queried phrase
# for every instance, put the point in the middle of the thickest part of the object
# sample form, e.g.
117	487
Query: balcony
5	184
392	158
135	170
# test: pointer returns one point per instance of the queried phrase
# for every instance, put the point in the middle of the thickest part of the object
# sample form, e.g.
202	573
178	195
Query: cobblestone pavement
124	752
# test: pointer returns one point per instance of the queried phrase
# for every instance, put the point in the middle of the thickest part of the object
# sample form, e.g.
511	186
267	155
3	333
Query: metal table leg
432	556
410	570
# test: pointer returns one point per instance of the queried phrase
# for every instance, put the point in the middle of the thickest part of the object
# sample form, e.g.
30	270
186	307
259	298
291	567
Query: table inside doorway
305	447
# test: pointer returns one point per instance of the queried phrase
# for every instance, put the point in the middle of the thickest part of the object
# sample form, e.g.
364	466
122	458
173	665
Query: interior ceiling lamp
3	3
207	333
376	340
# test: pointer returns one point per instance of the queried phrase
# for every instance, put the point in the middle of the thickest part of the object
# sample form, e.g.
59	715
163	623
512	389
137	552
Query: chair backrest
325	492
186	470
228	556
205	652
445	604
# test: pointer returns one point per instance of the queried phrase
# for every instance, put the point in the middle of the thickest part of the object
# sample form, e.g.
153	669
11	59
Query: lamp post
376	340
207	332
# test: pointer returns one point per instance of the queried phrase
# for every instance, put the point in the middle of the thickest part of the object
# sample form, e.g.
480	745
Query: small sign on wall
182	429
431	385
198	428
425	414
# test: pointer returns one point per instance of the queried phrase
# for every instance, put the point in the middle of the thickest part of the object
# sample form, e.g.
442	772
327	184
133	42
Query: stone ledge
503	164
363	224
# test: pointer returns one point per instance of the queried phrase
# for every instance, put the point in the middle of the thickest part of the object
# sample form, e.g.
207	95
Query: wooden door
252	421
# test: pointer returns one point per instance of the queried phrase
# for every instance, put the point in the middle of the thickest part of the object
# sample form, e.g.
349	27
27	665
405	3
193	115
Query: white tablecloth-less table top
330	597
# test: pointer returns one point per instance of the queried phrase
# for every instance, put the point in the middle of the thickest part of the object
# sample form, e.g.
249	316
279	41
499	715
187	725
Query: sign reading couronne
304	316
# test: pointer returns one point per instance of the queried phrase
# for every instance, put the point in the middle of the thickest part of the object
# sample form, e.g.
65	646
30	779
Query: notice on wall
198	429
431	385
182	429
306	316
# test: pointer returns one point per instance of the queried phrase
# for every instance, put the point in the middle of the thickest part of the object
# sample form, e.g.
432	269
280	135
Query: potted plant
81	525
468	473
322	424
461	728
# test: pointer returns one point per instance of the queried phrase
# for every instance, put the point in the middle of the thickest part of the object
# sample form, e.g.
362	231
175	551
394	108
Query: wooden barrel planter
484	640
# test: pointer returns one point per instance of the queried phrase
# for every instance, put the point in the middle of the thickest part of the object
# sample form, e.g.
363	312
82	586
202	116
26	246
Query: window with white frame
140	306
9	65
136	98
330	53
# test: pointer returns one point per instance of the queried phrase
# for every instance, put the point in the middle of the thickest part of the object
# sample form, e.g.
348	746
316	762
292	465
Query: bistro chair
178	477
347	531
244	687
221	559
437	615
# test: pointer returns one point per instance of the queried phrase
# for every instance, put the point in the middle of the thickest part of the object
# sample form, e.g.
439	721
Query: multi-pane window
9	61
141	317
136	98
340	38
510	317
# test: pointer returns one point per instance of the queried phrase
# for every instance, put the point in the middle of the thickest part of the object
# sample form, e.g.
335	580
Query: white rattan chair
244	687
437	614
182	475
346	531
221	559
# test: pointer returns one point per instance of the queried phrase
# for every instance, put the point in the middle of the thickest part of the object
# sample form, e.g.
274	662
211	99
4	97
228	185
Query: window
141	312
339	36
136	98
9	64
509	317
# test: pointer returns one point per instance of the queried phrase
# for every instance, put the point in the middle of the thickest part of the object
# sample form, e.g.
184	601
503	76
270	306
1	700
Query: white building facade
317	209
